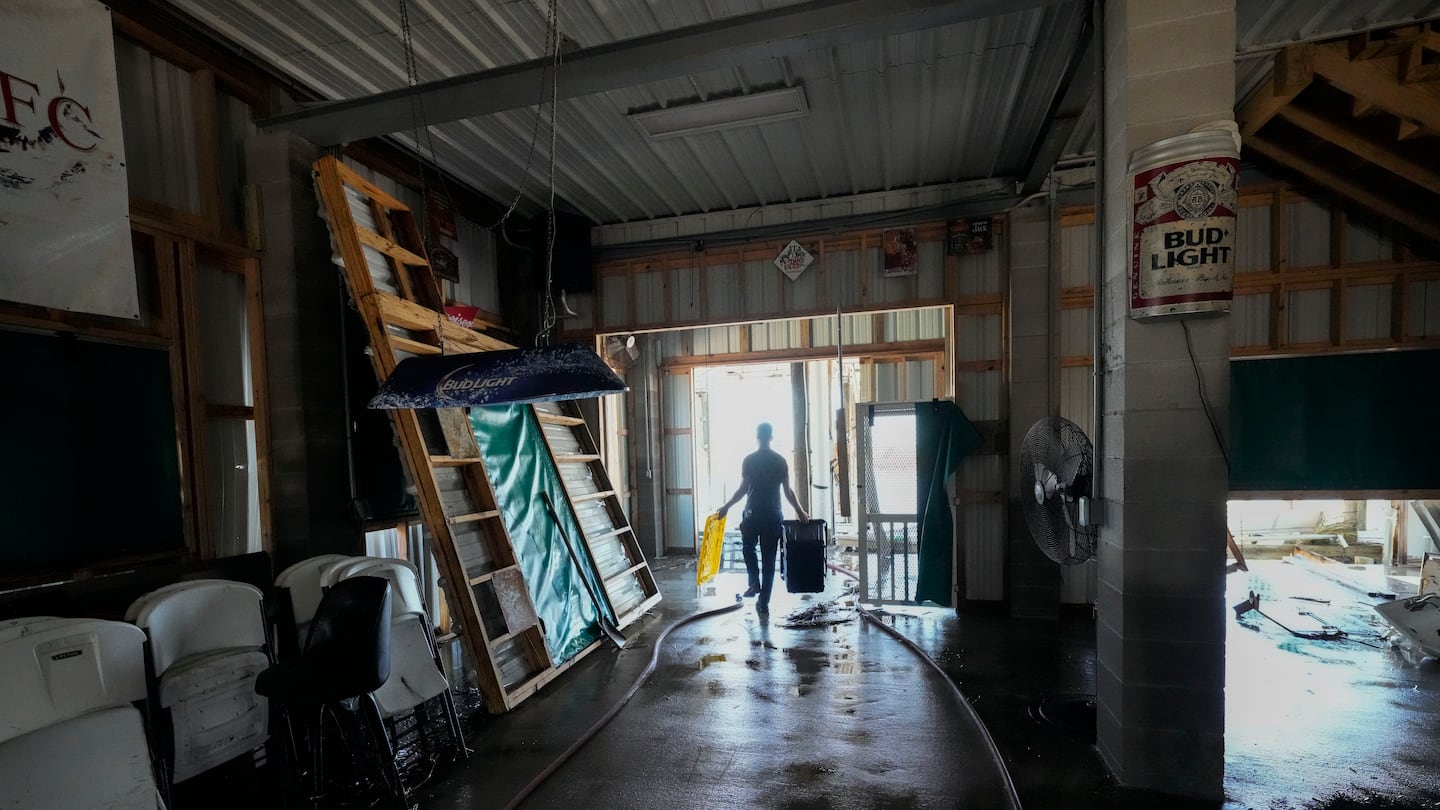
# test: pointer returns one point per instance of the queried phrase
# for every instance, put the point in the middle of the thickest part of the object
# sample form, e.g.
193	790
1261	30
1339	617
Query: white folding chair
70	736
299	586
207	646
416	672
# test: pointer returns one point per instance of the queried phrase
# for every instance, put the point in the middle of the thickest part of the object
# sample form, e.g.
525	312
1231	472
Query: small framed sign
793	260
969	237
902	252
442	217
445	263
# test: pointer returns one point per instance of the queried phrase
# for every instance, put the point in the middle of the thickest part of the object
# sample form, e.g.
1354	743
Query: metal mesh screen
890	530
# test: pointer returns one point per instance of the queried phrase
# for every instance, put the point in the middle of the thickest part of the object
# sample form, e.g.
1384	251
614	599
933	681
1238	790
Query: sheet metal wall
739	285
157	116
474	247
980	392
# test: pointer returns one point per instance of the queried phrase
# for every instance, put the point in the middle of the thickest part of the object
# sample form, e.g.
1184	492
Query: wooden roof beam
1344	186
1293	72
1350	140
1377	81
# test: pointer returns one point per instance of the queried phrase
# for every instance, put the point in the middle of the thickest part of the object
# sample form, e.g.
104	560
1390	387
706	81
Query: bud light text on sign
1183	240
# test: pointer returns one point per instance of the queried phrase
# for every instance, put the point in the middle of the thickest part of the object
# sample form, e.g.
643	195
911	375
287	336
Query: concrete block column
1161	656
302	293
1034	581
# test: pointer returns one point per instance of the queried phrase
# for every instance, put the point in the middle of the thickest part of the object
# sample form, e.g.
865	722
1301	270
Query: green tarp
518	461
943	437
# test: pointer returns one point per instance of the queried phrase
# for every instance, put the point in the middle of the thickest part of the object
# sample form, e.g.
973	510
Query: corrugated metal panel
984	537
1271	23
718	340
1423	308
762	280
979	274
1077	255
857	330
983	473
931	280
233	120
670	344
1263	25
157	117
679	461
1250	320
1077	401
685	227
1307	316
1367	311
1075	335
770	335
479	282
684	293
915	324
725	297
978	338
997	77
1368	240
650	297
980	395
613	292
1252	239
1309	234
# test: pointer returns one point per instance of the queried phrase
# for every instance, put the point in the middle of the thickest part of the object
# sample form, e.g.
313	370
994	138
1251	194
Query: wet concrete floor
745	713
741	712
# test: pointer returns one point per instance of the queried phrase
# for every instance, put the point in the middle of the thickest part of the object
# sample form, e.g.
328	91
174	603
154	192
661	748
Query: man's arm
790	496
734	499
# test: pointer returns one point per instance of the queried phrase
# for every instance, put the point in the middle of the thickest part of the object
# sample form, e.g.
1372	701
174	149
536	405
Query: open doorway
800	400
1309	581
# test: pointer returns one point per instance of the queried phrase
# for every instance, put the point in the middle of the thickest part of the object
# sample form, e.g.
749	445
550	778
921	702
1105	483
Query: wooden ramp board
609	541
392	284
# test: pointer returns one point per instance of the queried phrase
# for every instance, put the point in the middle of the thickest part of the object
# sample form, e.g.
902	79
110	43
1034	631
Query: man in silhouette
763	476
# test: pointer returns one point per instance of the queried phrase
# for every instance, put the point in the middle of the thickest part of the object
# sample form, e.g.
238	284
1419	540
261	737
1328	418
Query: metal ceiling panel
915	109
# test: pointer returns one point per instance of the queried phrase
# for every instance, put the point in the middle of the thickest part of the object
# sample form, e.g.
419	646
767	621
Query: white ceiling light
723	113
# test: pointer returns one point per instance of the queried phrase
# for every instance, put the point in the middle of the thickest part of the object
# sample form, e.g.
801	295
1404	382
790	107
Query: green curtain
943	437
518	461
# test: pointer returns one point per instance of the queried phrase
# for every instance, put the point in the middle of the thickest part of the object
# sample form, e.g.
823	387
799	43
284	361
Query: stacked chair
298	591
71	737
417	674
331	685
207	643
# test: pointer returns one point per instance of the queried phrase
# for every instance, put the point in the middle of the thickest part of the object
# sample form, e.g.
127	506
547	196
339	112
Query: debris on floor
822	615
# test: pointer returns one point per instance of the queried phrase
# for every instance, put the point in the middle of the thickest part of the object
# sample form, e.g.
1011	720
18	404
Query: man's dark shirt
766	470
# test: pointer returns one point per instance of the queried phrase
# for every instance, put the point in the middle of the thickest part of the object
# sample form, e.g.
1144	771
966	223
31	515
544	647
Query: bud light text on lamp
509	376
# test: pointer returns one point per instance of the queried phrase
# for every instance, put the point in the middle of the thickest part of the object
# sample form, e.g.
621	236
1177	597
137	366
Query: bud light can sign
1183	202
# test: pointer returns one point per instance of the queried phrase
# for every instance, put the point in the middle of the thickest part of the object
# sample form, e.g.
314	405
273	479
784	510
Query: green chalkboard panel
1336	422
89	466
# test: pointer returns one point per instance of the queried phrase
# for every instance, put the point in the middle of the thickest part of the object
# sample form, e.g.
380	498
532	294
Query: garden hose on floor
969	710
649	670
605	719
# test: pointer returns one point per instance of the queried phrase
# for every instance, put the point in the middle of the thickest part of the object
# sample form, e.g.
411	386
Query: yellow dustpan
710	547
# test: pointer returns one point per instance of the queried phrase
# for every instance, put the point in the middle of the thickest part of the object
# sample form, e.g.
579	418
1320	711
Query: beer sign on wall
1183	202
64	201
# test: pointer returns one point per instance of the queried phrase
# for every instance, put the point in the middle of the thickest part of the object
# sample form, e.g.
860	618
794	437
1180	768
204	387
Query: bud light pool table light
509	376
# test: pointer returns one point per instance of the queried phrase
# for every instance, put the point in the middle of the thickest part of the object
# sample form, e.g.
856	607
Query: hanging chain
548	315
552	44
422	132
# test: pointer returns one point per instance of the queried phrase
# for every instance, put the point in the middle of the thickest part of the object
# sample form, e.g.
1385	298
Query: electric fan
1056	462
621	352
1056	468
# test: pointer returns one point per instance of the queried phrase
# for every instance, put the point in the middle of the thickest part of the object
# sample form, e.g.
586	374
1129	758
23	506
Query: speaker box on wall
573	271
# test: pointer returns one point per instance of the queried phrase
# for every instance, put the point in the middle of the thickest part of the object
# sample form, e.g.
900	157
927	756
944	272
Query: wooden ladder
392	284
609	540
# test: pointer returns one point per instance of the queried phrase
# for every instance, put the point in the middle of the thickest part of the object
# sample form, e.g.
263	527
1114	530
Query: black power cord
1204	399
